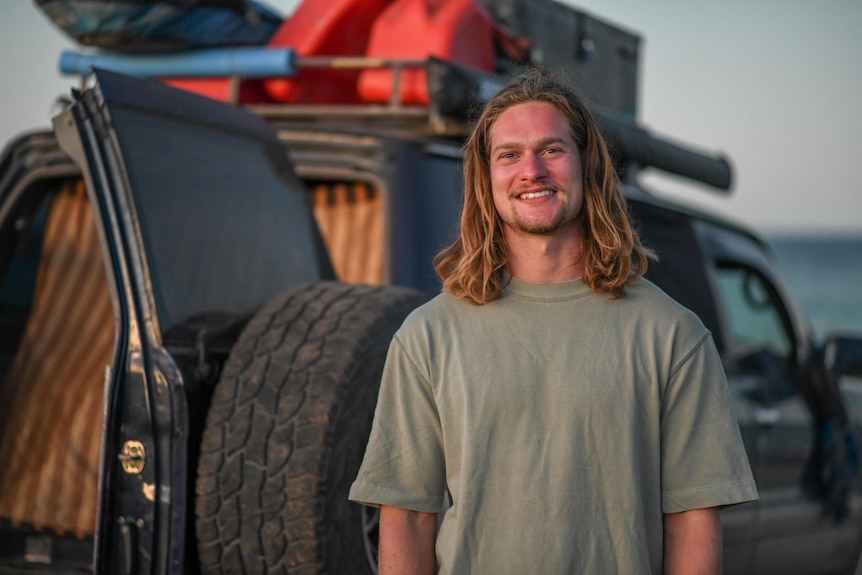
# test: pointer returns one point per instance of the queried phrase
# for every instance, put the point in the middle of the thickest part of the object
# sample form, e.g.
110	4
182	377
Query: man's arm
406	542
692	542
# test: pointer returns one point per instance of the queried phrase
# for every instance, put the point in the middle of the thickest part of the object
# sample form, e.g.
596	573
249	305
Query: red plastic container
460	31
324	28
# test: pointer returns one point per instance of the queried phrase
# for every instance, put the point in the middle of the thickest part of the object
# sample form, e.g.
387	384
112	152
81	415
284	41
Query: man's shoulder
644	291
433	326
441	308
444	317
650	299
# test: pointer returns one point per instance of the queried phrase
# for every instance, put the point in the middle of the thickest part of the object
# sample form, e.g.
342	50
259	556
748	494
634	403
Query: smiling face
536	177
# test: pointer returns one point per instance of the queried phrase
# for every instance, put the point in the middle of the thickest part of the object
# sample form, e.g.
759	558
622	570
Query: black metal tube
632	144
455	92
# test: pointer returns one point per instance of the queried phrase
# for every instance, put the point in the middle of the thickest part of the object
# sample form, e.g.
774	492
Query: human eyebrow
542	143
505	146
551	141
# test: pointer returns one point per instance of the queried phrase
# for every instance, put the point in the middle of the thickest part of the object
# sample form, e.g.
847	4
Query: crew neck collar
554	291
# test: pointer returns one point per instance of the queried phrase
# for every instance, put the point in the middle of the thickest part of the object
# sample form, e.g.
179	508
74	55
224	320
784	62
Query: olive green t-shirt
562	423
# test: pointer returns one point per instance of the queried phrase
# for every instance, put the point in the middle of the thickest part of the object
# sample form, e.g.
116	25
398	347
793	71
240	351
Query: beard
560	220
544	228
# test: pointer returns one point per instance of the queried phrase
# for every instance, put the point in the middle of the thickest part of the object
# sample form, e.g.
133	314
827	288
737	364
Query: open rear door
200	220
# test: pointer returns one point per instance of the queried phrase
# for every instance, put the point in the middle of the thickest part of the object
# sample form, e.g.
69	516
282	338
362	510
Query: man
578	417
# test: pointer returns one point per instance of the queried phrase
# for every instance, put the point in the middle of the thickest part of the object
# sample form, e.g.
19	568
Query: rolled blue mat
252	62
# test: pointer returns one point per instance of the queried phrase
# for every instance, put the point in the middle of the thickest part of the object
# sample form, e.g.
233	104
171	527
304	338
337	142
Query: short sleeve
704	463
403	464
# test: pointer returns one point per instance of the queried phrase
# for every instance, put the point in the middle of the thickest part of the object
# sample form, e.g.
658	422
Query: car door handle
767	415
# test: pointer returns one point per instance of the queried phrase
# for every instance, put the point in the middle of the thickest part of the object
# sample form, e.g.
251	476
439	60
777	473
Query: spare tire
286	431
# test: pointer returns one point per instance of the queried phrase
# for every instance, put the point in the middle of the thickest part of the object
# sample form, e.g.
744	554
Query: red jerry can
324	28
459	31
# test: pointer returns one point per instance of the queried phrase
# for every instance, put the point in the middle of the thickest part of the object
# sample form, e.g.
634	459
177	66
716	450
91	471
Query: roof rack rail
454	93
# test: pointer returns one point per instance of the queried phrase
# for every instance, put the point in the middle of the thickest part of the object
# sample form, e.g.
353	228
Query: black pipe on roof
633	144
459	93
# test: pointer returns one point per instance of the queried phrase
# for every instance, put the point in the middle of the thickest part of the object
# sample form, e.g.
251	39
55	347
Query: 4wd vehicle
196	298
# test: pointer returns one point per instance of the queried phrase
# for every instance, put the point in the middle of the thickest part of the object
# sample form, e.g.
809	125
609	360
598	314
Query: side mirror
842	355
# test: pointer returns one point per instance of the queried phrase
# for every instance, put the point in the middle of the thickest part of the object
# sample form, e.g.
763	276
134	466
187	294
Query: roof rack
453	92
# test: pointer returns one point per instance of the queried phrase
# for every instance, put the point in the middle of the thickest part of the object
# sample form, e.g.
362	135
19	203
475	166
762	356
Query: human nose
532	167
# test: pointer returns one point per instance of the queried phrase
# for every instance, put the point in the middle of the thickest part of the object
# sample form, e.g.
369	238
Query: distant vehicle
196	298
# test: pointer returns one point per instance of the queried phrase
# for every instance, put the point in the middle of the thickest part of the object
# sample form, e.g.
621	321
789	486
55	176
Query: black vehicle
195	303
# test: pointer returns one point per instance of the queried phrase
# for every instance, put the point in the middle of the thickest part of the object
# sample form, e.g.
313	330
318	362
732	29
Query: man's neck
545	259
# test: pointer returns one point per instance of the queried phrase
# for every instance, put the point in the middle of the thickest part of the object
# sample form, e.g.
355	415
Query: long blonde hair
612	251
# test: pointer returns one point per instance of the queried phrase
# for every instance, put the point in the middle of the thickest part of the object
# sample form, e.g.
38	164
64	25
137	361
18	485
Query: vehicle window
53	382
216	208
20	250
754	317
351	218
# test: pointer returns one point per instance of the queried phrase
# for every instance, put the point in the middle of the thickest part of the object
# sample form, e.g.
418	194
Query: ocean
825	276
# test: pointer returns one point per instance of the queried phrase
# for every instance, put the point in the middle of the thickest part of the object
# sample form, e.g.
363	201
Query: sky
775	85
